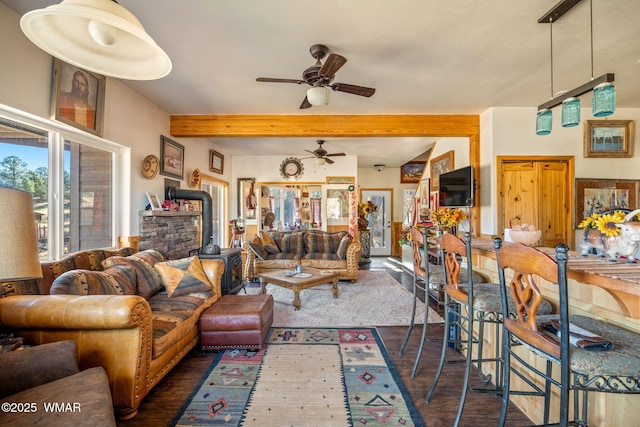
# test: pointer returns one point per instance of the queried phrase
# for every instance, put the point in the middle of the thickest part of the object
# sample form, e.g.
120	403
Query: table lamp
19	258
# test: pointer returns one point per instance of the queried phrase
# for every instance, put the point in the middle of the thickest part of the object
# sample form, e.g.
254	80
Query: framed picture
77	97
247	197
608	138
600	195
441	164
154	201
216	161
340	180
424	199
411	172
434	201
172	158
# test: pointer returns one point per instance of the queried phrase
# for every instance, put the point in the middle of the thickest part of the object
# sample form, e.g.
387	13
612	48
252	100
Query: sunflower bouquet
605	223
448	217
365	208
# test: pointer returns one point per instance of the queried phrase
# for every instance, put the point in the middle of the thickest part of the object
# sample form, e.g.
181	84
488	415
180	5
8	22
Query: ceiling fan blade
273	80
353	89
328	161
305	104
333	63
335	154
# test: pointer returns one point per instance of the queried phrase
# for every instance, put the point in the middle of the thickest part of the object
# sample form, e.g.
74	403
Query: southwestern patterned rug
303	377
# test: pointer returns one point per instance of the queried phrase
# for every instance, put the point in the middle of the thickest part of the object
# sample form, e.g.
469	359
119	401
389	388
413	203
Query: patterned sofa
132	314
310	248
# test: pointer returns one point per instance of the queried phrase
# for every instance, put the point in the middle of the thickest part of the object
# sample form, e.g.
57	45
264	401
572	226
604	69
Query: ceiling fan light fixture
99	36
318	95
320	161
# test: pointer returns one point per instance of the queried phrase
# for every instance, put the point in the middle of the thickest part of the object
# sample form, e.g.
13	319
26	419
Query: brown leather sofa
310	248
118	332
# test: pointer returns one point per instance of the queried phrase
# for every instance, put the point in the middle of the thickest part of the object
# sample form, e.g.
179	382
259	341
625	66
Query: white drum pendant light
318	95
99	36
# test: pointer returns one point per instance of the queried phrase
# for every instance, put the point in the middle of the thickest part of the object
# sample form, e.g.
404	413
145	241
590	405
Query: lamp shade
570	112
320	161
543	122
99	36
604	100
318	95
19	246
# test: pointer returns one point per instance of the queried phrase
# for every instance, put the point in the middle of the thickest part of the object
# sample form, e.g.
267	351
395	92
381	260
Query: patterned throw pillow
119	280
258	250
149	281
268	243
183	276
344	244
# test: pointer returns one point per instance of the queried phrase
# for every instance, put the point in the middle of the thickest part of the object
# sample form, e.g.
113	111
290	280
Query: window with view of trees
46	164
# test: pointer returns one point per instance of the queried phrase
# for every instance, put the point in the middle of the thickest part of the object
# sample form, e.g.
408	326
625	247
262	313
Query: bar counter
597	288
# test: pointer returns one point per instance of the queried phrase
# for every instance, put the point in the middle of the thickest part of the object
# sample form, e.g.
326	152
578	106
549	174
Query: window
47	161
285	205
217	190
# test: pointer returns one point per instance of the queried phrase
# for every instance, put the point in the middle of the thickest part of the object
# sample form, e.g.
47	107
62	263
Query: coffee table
299	282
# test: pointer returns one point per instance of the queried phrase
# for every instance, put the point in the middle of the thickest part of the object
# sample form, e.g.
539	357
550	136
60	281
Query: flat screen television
456	188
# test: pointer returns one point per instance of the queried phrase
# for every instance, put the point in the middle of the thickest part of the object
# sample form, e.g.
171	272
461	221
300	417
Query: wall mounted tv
456	188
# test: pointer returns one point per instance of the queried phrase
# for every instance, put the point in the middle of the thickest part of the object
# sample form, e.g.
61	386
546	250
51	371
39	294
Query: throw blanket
580	337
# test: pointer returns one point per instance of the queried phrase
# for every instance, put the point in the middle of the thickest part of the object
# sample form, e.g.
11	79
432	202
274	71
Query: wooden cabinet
538	192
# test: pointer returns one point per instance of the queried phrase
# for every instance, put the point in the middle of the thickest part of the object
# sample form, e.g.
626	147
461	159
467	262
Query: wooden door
537	191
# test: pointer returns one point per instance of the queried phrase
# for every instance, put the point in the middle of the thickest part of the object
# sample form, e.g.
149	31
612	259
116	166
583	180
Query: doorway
537	190
380	220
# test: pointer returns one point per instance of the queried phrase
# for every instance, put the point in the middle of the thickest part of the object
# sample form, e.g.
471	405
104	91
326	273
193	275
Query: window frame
57	134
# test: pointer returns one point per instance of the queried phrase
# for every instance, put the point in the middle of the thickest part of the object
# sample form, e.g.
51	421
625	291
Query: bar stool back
420	283
552	337
466	303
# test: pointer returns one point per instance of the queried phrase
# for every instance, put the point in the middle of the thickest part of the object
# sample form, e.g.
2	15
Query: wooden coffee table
296	284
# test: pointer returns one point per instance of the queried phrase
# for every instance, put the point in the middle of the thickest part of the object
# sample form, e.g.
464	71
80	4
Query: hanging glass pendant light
570	112
604	100
543	122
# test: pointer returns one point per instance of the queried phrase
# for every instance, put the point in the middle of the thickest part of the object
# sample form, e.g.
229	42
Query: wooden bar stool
420	283
582	368
465	304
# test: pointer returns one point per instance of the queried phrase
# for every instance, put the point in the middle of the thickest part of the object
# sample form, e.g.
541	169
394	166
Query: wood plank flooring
164	401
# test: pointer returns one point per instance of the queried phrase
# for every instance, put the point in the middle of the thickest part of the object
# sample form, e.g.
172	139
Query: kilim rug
303	377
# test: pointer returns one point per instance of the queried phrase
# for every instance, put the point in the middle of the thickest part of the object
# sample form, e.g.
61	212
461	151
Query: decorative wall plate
150	166
291	167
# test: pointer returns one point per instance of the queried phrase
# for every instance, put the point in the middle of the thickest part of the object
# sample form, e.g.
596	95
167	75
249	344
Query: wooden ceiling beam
262	126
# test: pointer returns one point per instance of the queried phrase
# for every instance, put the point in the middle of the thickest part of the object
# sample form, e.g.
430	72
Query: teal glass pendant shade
604	100
570	112
543	122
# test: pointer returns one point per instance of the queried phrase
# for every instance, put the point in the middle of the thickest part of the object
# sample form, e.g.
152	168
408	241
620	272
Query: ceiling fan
321	153
320	77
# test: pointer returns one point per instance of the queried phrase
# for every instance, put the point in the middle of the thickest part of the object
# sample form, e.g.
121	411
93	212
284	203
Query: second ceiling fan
322	154
320	76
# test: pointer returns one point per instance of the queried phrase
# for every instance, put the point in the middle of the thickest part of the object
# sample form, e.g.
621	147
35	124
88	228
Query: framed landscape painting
608	138
172	158
411	172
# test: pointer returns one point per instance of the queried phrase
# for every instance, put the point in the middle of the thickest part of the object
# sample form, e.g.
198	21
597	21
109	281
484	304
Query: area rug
303	377
375	299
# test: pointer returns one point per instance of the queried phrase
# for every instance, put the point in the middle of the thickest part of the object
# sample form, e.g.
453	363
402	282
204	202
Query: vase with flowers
601	232
448	219
364	209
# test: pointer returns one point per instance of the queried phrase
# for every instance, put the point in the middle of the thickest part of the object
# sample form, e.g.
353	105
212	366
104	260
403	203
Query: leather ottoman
236	321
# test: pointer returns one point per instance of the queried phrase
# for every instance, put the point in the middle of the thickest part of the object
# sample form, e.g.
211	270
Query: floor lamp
19	257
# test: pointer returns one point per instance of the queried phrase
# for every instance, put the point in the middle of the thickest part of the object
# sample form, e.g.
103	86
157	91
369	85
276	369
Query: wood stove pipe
207	208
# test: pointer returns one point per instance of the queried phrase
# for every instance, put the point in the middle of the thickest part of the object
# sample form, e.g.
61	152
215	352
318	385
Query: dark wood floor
164	401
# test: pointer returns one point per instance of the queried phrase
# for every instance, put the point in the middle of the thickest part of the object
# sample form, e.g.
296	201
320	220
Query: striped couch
310	248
